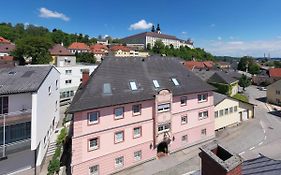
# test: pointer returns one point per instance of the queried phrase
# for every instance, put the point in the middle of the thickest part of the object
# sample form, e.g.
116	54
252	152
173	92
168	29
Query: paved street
258	135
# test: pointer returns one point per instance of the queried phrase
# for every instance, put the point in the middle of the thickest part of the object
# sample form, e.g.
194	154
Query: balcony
15	117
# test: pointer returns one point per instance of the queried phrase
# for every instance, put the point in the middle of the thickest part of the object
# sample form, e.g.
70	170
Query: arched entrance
162	147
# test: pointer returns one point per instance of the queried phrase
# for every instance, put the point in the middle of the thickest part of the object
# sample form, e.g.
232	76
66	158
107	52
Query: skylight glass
133	86
107	88
175	81
156	84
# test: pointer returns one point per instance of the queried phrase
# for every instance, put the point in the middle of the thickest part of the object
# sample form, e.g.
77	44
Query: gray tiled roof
118	72
221	77
218	98
22	79
261	166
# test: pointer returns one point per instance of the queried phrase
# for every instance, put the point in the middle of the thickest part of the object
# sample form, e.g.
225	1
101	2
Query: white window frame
203	132
136	113
164	107
202	97
137	155
95	168
184	120
95	121
95	147
117	139
119	162
221	112
216	114
185	100
138	134
203	115
119	116
226	111
165	127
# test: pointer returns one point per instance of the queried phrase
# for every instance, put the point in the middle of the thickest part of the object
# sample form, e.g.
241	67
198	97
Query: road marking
264	137
242	153
252	148
260	143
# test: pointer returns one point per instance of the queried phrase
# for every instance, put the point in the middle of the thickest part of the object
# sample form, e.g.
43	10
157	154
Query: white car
263	88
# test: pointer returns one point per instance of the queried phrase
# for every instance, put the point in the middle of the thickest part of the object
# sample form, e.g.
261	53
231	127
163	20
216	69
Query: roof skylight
133	85
107	88
175	81
156	84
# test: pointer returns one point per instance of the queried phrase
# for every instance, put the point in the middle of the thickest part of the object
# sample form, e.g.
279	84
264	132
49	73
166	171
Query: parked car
263	88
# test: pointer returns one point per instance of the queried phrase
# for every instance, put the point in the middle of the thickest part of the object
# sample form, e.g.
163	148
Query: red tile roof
79	46
58	49
275	72
198	64
4	41
120	47
98	48
6	48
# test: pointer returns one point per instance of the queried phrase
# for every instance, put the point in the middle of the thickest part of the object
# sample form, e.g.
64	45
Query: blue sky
233	27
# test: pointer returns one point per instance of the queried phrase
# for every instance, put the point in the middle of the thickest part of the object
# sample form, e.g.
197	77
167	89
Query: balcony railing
15	117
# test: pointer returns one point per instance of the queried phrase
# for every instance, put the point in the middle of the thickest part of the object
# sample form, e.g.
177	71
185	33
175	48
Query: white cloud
219	38
141	25
184	33
242	48
46	13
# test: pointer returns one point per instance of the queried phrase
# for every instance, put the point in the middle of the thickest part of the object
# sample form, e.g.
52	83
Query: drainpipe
35	157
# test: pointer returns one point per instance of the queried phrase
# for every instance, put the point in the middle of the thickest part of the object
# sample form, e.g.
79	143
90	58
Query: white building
29	101
151	37
70	79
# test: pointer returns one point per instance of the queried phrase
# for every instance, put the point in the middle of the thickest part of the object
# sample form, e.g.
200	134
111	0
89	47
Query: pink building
132	110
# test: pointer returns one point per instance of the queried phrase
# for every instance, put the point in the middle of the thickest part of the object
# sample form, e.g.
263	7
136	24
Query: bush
54	166
57	152
61	136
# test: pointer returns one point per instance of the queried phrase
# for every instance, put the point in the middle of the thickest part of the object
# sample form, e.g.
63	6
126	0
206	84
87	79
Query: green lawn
241	97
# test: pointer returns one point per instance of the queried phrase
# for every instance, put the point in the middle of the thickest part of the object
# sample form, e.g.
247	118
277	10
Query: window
94	170
202	97
156	84
277	100
204	132
216	114
231	110
49	90
67	81
137	132
221	113
107	89
175	81
277	92
119	136
119	162
56	107
93	144
163	107
203	115
184	138
133	86
184	120
164	127
137	155
226	111
4	105
68	72
183	100
136	109
119	113
93	117
57	84
235	108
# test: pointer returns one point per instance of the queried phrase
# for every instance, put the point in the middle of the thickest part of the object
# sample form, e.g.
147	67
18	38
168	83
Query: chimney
85	76
219	161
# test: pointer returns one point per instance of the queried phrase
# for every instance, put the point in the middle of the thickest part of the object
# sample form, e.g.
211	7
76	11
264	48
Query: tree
35	48
85	57
148	46
277	64
244	81
248	63
159	47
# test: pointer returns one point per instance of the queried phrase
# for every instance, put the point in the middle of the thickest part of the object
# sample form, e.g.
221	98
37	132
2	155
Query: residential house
230	111
7	61
78	47
216	159
124	51
224	83
132	110
275	74
103	42
273	93
223	65
6	49
99	51
151	37
61	56
266	77
191	65
4	41
29	109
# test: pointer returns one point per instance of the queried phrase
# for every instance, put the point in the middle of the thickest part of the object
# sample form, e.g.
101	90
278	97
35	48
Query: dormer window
133	86
175	81
156	84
